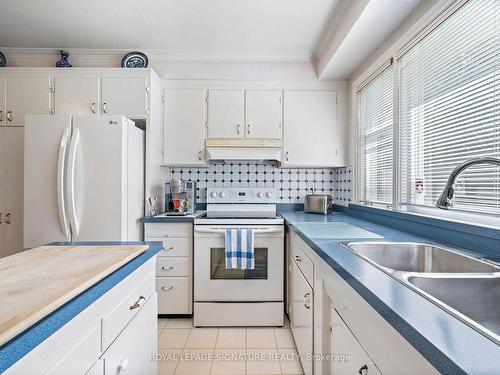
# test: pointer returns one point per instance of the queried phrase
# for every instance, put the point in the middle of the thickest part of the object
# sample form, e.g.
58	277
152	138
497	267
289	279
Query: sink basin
418	257
474	300
465	287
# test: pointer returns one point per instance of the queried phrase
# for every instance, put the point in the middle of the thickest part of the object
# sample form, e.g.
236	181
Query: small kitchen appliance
318	203
239	297
180	197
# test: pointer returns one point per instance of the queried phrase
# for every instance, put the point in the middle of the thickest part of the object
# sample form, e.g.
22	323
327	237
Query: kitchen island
88	305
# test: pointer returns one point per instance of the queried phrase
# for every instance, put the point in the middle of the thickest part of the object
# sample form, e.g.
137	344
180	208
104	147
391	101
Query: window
376	138
449	110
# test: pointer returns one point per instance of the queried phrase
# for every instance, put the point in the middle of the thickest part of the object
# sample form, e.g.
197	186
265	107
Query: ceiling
333	36
264	25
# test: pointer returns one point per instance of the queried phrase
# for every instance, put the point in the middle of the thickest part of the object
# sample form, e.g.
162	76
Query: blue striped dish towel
239	249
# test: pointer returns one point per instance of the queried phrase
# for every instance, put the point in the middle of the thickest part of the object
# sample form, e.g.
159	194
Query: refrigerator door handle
71	183
61	167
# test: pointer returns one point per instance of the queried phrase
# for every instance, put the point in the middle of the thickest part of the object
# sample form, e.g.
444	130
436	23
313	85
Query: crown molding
163	54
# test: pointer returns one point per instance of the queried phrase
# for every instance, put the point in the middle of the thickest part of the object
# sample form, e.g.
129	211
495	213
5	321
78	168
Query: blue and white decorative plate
135	60
3	60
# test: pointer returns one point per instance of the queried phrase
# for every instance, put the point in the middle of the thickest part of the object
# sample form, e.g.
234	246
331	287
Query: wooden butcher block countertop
36	282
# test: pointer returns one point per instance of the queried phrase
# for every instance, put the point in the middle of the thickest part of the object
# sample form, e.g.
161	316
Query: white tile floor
185	350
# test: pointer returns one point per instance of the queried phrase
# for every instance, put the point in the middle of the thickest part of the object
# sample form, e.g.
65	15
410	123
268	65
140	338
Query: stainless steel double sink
466	287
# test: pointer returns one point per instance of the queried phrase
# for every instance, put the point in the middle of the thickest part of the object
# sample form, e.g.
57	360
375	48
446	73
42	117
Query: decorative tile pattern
291	184
343	186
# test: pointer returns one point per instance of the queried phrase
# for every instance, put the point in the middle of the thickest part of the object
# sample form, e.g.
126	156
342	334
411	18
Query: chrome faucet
447	198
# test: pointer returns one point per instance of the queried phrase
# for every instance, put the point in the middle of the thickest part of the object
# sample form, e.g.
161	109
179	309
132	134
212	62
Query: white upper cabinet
76	95
184	126
3	120
263	114
125	96
26	95
310	128
226	112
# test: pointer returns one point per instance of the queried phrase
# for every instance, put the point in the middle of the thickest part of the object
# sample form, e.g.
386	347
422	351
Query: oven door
213	282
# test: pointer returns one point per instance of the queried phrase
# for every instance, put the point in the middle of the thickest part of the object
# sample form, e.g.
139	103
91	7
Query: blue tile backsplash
291	184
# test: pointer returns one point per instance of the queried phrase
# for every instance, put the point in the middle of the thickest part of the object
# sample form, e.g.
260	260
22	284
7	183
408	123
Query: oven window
218	269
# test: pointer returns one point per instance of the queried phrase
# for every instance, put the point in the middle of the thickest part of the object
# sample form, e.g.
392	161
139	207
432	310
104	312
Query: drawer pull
167	268
167	288
138	303
363	370
297	258
168	248
306	301
122	367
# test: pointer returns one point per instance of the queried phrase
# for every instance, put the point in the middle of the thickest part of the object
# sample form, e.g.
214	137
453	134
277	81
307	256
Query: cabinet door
3	142
130	352
124	96
26	96
184	127
310	128
263	114
301	321
3	120
76	95
12	218
226	112
343	343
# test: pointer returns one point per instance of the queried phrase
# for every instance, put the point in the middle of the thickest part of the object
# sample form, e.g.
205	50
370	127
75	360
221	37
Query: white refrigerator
83	179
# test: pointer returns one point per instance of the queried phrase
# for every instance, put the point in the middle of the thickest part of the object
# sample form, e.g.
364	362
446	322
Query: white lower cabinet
174	265
130	353
116	333
349	356
346	335
301	316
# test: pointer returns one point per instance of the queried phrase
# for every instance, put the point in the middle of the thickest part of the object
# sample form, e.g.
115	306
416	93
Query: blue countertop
450	345
172	219
23	343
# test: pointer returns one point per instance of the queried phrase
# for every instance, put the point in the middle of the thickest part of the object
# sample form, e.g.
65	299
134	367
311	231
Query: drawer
303	262
165	230
169	266
113	323
173	295
174	247
80	357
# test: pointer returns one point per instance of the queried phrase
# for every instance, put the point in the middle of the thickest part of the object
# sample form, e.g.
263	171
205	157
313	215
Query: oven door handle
223	230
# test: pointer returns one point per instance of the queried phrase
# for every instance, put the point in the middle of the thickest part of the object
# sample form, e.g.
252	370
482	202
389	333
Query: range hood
244	150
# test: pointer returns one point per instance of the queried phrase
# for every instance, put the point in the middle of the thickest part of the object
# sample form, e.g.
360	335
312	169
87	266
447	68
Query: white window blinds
449	109
376	139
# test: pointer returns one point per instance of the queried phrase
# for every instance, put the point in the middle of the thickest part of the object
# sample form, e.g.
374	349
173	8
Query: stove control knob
222	194
213	194
259	195
269	194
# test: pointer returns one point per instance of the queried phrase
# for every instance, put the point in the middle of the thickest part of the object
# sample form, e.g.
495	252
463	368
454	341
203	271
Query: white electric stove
232	297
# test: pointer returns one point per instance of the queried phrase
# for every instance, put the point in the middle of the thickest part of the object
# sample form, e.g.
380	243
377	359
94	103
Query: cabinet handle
0	218
138	303
105	107
306	301
363	370
167	268
122	367
248	128
168	248
1	116
200	155
238	128
9	115
286	156
167	288
7	218
92	107
297	258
